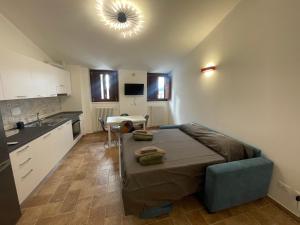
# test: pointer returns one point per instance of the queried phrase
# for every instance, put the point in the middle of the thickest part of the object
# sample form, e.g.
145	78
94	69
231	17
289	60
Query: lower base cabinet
33	162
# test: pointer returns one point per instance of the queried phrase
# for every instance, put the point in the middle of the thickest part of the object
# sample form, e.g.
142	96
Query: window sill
108	101
159	100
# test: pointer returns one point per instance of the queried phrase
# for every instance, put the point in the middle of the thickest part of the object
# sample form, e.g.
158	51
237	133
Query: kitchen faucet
38	118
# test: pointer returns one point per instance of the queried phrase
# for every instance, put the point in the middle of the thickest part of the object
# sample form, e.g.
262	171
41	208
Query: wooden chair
140	126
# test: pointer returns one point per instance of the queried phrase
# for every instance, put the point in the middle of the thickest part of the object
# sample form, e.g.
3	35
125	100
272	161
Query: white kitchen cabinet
23	162
24	77
82	126
64	82
52	80
47	154
68	82
40	80
67	136
15	75
32	162
64	138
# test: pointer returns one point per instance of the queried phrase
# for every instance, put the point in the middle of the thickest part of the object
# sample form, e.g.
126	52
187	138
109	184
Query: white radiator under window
157	115
103	112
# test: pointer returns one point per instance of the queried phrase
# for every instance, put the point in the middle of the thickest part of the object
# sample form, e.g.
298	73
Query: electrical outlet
298	202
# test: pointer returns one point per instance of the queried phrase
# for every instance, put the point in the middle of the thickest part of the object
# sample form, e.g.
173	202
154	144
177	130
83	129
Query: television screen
134	89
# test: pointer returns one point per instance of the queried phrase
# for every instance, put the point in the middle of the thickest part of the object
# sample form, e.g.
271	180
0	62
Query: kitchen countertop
28	134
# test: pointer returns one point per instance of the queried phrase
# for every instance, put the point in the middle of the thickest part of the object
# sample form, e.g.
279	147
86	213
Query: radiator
157	115
103	112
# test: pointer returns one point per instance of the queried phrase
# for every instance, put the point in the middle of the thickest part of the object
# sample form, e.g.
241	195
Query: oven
76	128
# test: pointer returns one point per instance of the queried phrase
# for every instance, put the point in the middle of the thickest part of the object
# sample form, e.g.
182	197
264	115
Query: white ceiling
70	31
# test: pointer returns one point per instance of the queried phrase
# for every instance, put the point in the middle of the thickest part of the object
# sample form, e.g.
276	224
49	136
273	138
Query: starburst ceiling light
121	15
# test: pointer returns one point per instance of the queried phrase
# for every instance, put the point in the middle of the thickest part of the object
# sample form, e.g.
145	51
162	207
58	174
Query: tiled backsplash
26	109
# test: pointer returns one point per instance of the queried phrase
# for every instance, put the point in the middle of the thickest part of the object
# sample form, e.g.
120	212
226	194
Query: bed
181	174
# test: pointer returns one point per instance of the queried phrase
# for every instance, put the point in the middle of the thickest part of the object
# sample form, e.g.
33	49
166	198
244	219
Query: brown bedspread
181	174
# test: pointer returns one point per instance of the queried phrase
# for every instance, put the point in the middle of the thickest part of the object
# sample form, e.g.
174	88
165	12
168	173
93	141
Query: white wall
81	97
13	39
133	105
254	95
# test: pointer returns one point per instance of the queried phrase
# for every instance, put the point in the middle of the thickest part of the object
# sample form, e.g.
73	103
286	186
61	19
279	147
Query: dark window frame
96	86
152	79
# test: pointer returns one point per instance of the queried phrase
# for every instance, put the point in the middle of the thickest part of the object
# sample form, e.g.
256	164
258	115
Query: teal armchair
234	183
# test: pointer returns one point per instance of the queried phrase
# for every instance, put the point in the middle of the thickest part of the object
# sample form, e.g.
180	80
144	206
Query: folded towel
148	151
151	159
142	135
141	132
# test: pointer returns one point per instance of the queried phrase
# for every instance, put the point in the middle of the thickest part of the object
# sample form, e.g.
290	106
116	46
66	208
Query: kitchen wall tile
29	108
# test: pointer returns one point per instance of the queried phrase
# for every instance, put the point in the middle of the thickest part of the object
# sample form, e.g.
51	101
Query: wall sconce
208	70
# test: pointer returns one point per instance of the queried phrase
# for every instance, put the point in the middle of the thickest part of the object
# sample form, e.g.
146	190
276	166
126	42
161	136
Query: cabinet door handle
21	96
26	161
29	172
23	149
4	165
46	136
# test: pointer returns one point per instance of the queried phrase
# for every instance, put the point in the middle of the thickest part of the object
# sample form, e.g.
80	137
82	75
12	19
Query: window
158	87
104	85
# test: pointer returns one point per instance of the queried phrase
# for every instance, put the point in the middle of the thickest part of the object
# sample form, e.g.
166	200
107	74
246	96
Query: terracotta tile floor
85	190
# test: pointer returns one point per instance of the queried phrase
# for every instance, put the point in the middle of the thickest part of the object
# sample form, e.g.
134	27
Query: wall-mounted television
134	89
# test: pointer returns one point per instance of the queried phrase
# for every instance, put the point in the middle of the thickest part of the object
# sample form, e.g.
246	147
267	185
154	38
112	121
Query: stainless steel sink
51	122
34	124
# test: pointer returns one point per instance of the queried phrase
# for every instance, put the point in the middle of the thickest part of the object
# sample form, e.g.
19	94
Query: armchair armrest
170	127
234	183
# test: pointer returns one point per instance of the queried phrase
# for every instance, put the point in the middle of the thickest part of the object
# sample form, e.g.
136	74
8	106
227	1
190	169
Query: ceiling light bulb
120	15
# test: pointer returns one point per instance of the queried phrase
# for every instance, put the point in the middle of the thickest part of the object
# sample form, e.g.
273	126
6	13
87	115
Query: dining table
117	120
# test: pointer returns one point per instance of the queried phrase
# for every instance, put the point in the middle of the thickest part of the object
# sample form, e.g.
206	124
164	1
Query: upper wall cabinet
15	76
63	82
40	81
24	77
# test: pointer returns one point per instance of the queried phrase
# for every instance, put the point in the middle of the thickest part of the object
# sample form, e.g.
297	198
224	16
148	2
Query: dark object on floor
156	211
124	114
20	125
